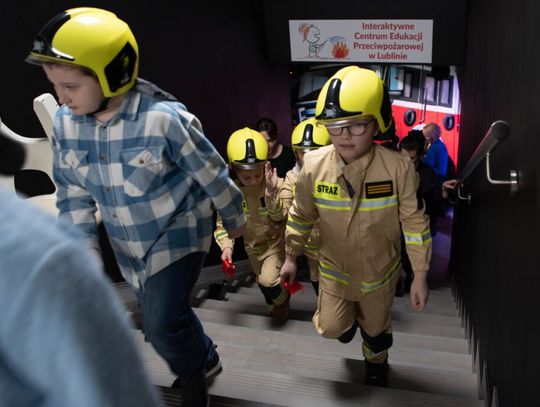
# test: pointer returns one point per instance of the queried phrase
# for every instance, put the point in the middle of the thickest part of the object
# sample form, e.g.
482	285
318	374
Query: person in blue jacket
436	155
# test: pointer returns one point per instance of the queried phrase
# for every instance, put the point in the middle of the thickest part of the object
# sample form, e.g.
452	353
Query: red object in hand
294	288
228	268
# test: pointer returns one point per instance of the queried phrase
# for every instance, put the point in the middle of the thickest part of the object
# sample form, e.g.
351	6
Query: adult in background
280	156
436	155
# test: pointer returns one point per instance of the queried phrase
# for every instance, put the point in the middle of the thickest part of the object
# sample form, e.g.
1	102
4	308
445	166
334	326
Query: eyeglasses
356	129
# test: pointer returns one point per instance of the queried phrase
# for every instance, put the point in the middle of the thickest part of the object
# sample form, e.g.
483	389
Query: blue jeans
170	324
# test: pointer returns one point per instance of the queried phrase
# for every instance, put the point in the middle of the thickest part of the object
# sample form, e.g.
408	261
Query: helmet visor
43	51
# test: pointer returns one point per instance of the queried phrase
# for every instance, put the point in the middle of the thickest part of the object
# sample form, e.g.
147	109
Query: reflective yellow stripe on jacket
220	233
388	276
330	273
417	238
328	195
374	204
300	227
311	249
337	203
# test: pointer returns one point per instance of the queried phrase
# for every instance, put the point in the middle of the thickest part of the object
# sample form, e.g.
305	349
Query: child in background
264	235
429	195
307	136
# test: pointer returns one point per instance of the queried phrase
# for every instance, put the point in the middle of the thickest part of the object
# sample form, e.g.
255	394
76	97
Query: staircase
291	365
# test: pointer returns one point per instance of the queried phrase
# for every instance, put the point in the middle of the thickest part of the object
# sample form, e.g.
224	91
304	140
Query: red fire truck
420	94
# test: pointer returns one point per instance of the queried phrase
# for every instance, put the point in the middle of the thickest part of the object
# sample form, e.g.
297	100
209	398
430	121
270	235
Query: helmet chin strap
103	106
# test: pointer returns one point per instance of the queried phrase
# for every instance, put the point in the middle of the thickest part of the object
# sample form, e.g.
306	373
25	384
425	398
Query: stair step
300	302
171	398
442	304
435	294
249	304
285	389
256	322
223	334
292	390
456	383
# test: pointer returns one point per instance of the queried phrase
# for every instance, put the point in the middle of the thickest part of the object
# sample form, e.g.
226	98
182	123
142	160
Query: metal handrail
497	132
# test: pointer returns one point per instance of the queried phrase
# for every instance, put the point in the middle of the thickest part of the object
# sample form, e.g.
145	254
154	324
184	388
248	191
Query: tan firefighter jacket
359	235
265	226
311	249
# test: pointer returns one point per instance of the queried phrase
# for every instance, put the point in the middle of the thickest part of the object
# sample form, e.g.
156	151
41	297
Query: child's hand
271	179
288	271
226	255
419	293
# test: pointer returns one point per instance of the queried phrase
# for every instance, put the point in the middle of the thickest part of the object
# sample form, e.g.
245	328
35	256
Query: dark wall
212	56
496	253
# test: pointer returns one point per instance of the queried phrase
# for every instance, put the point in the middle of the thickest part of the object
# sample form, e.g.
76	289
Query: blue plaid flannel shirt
154	176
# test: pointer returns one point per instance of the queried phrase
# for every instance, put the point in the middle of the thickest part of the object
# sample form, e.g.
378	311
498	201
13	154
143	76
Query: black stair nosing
303	304
306	328
460	362
258	307
436	380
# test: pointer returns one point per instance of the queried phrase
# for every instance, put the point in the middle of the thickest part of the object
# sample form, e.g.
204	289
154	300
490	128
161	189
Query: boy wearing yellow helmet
125	146
264	235
362	195
306	137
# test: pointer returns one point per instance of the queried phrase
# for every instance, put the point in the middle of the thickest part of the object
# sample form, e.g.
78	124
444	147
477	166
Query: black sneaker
348	336
213	367
376	374
193	391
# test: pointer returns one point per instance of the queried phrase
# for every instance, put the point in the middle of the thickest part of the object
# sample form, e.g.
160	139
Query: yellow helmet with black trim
308	136
352	93
94	39
247	149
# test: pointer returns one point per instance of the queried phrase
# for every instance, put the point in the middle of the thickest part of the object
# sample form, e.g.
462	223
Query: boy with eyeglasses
362	196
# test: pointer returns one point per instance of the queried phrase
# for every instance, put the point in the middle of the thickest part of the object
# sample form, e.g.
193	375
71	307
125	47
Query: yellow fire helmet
247	149
94	39
308	136
352	93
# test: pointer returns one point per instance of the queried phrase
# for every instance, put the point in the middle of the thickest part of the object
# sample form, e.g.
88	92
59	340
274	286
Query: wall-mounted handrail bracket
513	181
497	133
466	197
